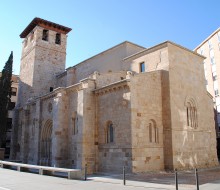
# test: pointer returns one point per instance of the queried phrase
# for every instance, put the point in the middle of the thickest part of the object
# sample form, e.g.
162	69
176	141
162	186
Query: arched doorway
46	143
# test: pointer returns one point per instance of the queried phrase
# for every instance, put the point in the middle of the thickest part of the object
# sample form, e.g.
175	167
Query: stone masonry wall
113	105
154	59
193	146
60	132
104	79
75	125
107	61
88	128
26	83
61	80
146	122
166	117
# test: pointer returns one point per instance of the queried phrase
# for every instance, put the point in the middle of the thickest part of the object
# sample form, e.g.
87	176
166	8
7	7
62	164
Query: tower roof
45	24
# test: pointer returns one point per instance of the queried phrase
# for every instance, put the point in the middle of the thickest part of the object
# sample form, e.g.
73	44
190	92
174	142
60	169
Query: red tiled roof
46	24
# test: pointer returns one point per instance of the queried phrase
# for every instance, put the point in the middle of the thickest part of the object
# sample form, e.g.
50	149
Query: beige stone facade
146	109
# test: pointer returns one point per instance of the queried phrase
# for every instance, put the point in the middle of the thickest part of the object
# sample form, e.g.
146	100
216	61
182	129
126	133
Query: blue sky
100	24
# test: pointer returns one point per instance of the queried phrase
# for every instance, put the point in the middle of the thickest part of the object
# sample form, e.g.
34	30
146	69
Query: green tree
5	98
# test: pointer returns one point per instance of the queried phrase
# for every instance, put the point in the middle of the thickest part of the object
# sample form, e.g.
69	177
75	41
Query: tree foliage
5	98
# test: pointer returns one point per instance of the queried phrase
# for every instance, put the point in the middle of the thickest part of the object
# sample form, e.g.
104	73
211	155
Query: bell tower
43	57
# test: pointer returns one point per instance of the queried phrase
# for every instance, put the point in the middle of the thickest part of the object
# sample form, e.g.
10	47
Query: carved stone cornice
123	84
74	88
51	94
48	96
60	75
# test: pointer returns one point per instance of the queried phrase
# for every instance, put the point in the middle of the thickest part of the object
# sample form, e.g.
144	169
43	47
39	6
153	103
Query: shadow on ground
184	177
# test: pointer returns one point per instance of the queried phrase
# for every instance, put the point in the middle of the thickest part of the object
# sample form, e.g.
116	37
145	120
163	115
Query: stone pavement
14	180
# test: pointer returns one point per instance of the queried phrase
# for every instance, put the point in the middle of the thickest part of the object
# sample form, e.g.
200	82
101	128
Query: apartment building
210	48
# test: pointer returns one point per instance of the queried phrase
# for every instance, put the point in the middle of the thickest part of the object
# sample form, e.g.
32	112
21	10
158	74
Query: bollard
124	180
197	179
85	172
176	179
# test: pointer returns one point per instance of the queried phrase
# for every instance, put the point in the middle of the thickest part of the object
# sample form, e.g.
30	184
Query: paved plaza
14	180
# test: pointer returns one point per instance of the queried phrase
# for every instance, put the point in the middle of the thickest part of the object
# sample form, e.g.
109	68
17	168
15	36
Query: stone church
143	108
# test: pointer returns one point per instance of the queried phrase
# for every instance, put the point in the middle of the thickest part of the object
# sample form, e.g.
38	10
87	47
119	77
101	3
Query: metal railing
196	179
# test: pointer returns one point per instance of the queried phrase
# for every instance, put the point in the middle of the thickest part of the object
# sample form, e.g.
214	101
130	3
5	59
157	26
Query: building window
74	123
191	113
214	76
51	89
13	91
216	93
187	112
153	132
210	44
58	38
212	61
150	132
211	53
142	67
110	133
74	126
11	105
9	123
45	35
